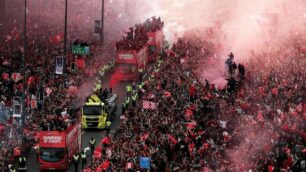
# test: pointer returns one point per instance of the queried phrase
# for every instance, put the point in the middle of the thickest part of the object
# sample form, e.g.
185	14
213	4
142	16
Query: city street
87	134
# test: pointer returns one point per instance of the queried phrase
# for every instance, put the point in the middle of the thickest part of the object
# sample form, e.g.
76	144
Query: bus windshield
52	154
92	110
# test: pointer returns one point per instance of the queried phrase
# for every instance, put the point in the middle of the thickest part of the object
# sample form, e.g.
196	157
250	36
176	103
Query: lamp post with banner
102	22
65	31
23	113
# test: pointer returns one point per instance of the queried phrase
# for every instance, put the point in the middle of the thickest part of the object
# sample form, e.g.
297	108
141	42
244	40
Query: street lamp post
23	113
65	32
102	23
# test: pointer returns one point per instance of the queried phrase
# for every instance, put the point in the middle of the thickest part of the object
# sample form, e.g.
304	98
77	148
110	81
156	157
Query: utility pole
102	23
23	113
65	32
2	12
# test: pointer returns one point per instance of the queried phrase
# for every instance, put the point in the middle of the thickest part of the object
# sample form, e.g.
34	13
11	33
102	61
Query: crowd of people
256	123
47	95
137	36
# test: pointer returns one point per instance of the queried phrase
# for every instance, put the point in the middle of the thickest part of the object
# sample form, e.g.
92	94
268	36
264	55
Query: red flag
97	152
58	38
5	76
105	165
144	137
80	63
167	94
105	140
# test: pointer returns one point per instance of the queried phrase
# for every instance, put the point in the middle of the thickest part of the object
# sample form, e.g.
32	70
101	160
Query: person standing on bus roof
76	159
92	143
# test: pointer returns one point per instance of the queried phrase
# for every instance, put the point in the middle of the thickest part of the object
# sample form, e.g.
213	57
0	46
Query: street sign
59	65
17	107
